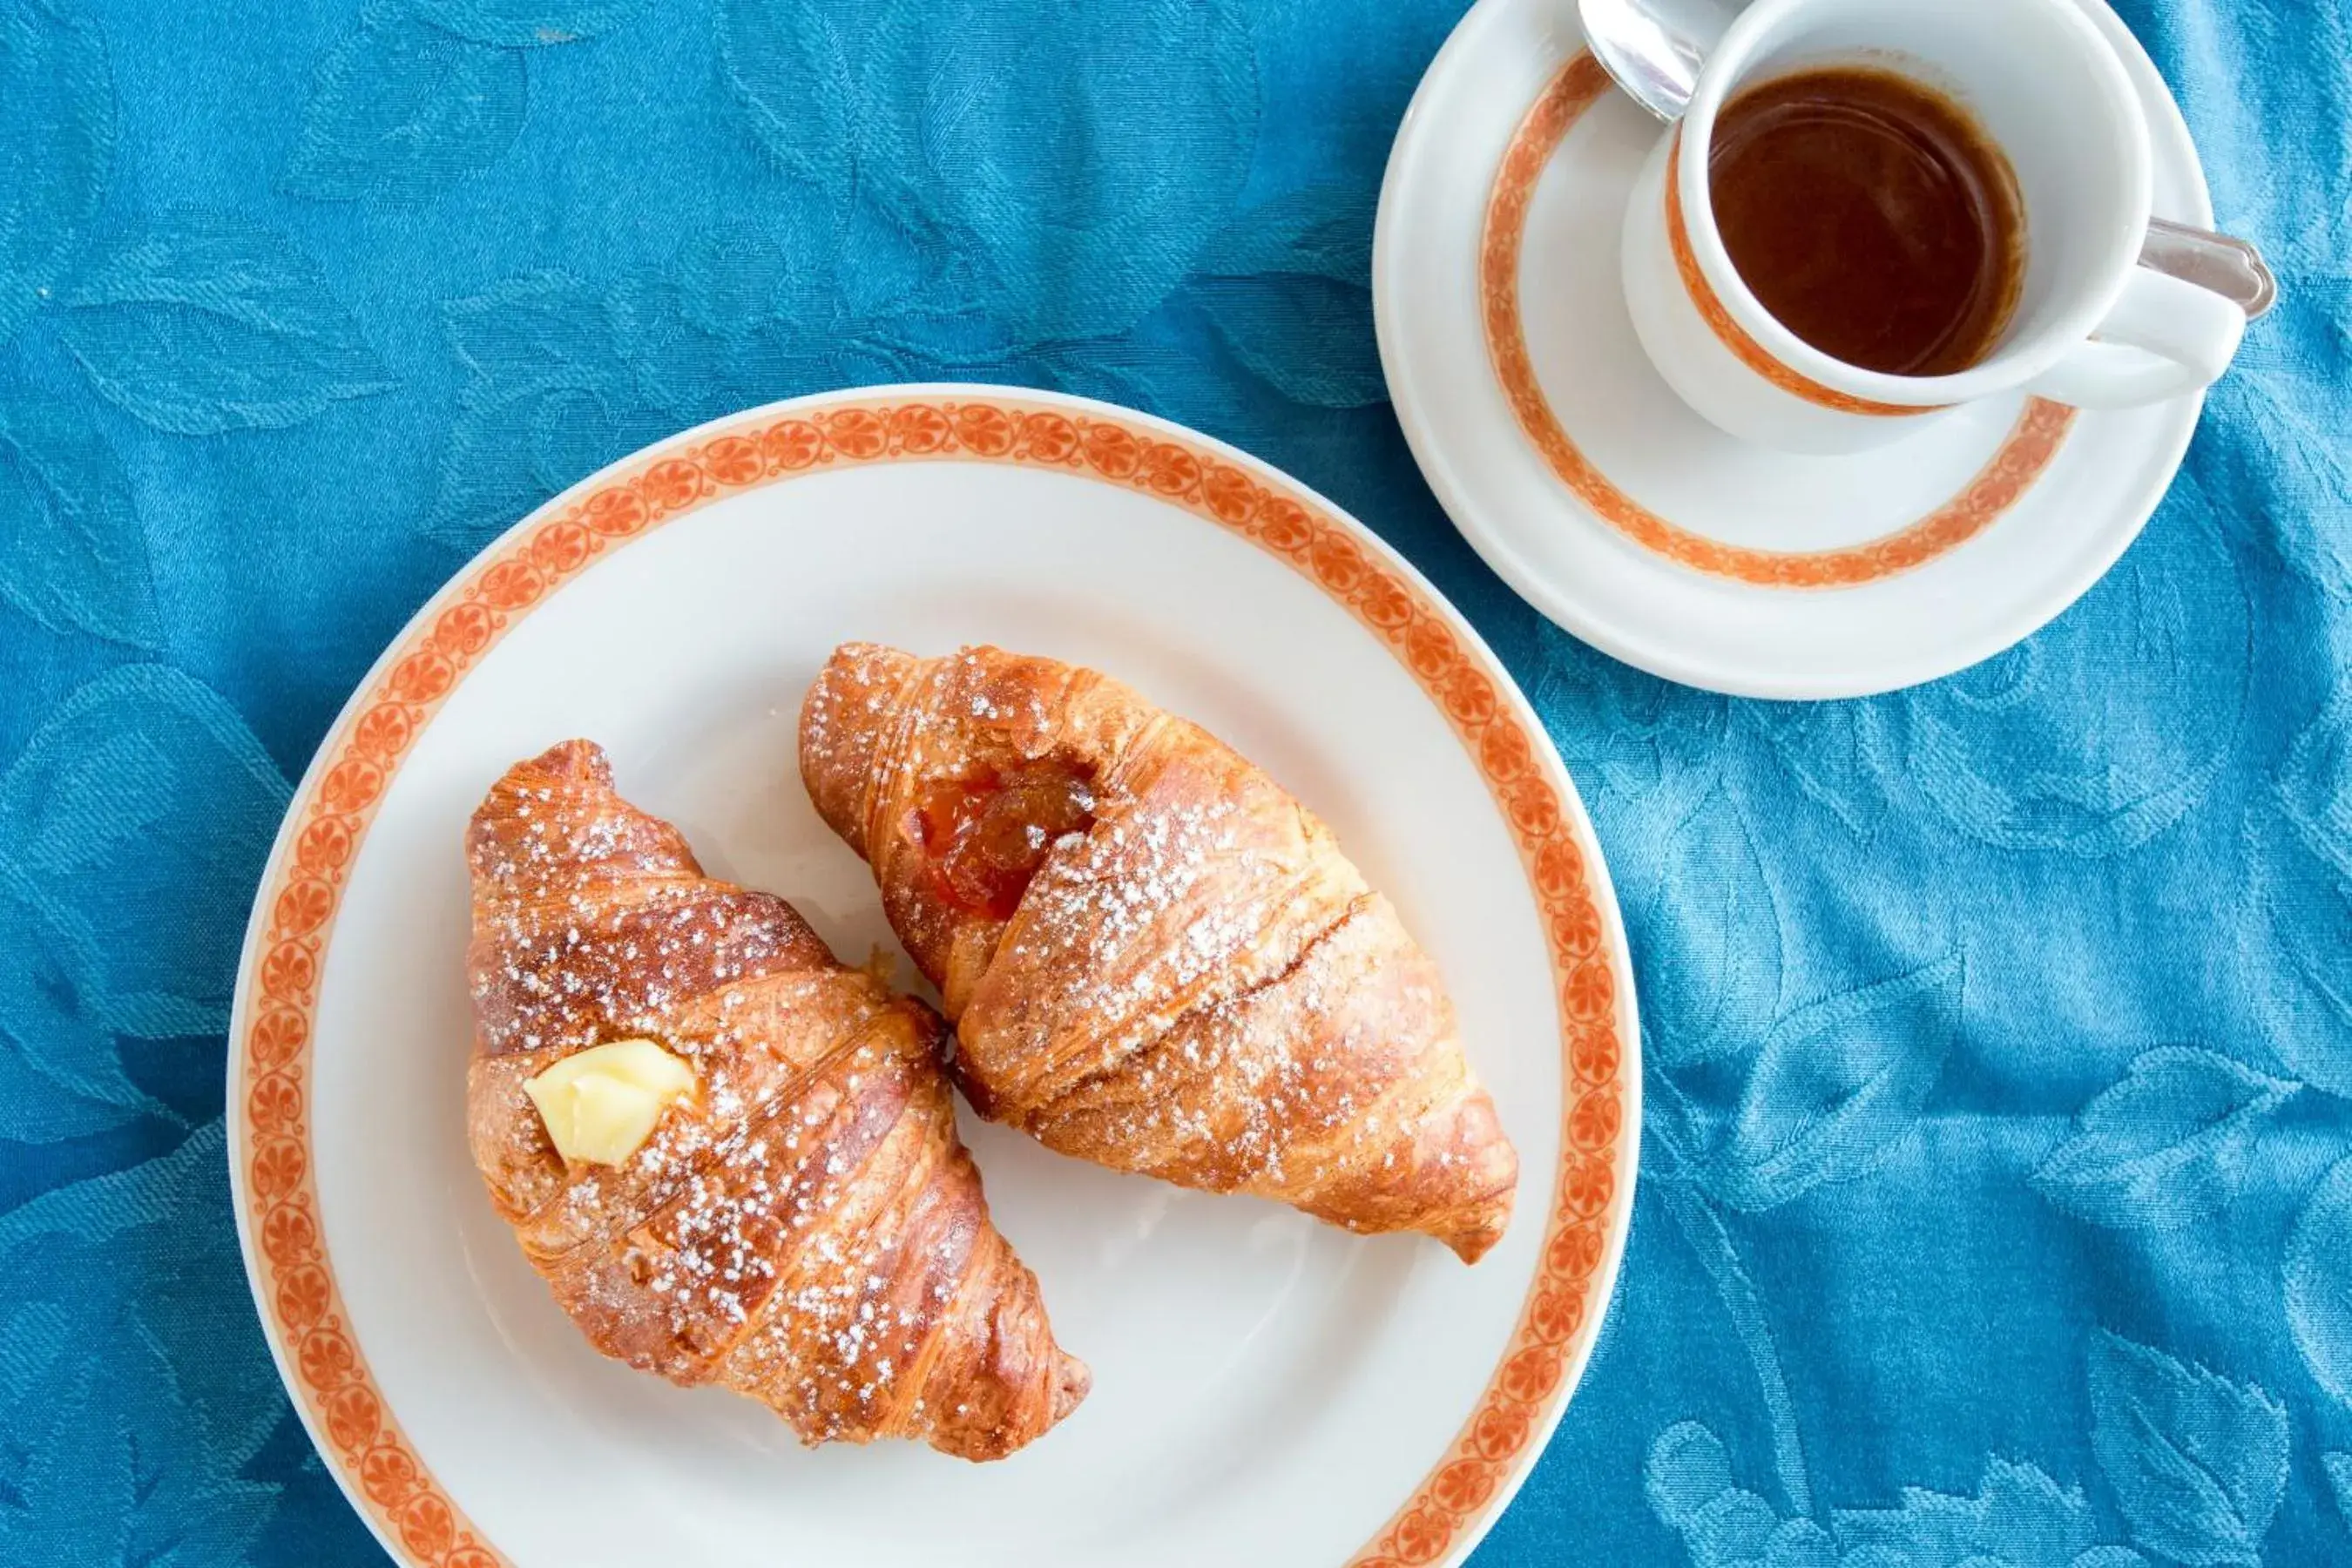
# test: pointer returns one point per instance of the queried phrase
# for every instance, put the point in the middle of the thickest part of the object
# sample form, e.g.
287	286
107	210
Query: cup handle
2164	337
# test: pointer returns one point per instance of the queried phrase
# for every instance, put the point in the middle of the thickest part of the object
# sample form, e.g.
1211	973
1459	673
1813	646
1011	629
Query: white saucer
1266	1389
1597	494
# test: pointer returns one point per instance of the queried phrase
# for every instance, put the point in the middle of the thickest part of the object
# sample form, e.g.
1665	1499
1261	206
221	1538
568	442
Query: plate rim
1477	1472
1657	656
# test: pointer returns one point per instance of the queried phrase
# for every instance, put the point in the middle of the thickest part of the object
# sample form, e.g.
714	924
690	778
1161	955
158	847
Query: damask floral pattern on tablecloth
1998	1152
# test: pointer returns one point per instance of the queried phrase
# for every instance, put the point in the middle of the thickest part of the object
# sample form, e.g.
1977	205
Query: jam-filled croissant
1155	957
733	1159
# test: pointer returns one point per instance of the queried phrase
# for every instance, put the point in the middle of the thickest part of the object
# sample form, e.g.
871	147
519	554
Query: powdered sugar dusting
1197	984
802	1225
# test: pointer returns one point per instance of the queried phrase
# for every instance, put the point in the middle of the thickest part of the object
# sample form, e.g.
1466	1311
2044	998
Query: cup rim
2010	365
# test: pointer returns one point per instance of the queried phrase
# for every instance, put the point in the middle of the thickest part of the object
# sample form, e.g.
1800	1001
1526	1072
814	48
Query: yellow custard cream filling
600	1105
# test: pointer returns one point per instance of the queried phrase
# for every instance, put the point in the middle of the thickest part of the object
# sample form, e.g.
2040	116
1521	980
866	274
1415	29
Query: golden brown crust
1196	985
807	1228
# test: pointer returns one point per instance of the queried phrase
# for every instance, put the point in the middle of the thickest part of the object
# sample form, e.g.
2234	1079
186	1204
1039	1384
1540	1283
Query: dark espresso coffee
1871	216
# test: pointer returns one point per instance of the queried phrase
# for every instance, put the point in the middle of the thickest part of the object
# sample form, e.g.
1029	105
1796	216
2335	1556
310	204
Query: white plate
1634	523
1266	1389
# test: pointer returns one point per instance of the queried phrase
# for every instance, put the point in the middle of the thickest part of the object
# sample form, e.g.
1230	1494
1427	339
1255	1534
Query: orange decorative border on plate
2023	455
294	1279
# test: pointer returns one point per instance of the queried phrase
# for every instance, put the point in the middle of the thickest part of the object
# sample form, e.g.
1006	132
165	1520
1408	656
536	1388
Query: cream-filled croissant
734	1160
1155	957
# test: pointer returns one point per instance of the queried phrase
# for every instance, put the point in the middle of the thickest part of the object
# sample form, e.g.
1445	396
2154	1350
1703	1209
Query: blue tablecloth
1997	1196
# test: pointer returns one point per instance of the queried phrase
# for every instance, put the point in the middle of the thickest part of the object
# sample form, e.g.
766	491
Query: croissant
1156	959
804	1225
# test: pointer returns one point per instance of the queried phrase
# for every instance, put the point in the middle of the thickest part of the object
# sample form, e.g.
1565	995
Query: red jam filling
986	835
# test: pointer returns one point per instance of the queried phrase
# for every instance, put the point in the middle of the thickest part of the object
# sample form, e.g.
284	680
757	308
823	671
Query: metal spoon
1654	50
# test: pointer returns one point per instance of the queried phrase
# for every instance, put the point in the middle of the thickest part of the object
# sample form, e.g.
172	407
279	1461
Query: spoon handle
2229	267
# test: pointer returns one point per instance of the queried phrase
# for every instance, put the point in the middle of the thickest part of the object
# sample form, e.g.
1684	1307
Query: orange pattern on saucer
2023	455
348	1415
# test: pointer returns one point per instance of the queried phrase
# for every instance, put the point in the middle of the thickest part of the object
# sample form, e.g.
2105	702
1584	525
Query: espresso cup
2090	328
